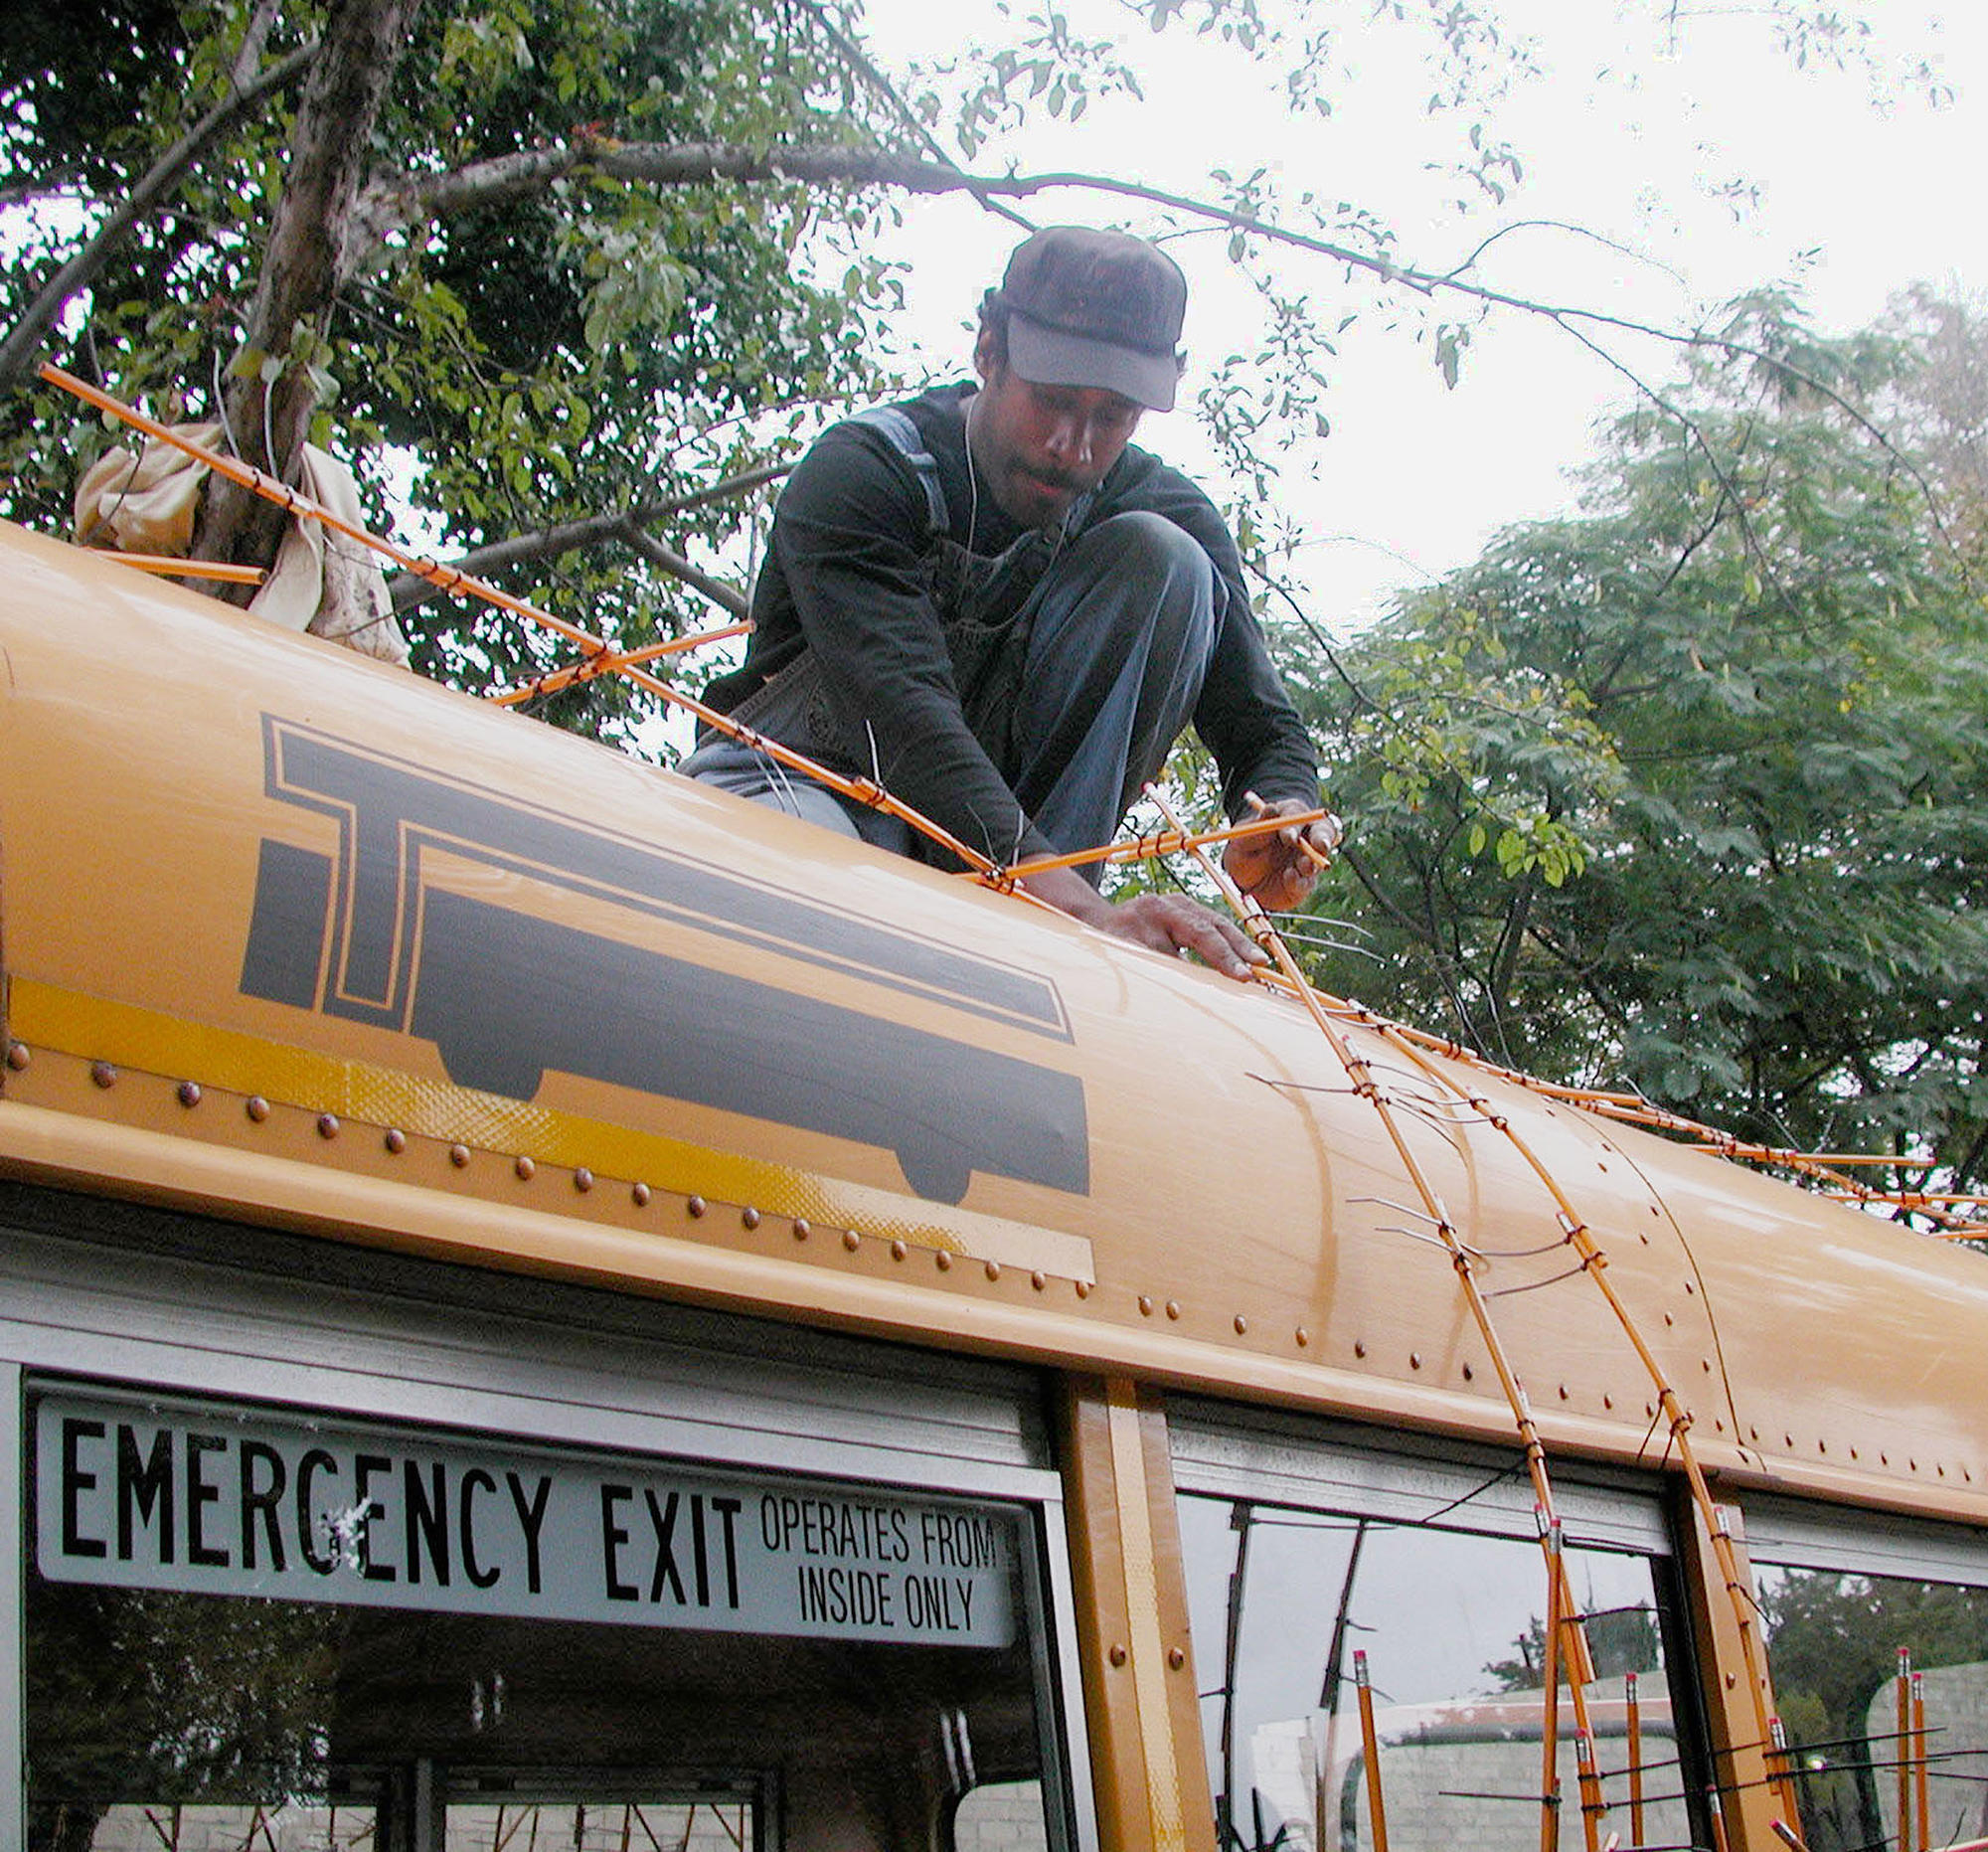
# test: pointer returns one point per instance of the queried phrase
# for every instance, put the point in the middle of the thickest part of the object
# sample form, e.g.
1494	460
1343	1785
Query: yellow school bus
543	1305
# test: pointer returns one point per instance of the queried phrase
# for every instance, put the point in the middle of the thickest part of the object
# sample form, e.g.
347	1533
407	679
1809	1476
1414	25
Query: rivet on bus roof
582	1179
1304	1339
1242	1325
396	1140
1176	1658
749	1216
1688	1286
17	1055
1706	1364
103	1074
694	1206
1753	1432
1468	1373
1941	1471
1884	1459
1649	1410
1145	1306
188	1093
1853	1452
1118	1655
1787	1440
524	1168
1562	1392
802	1228
1082	1288
459	1155
1607	1402
1912	1465
1822	1446
1718	1425
1173	1308
851	1240
898	1249
327	1124
638	1194
1668	1319
943	1260
1359	1348
993	1270
1039	1279
1414	1360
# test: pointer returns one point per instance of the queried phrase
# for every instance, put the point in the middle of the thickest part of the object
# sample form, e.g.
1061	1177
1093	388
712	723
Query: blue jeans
1122	633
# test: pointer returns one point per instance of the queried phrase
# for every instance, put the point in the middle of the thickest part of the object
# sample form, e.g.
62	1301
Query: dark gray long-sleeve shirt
846	577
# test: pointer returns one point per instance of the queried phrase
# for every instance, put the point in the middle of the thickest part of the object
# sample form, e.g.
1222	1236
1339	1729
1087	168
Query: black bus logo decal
504	995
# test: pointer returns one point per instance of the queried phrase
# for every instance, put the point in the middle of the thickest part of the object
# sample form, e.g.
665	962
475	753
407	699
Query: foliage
515	362
178	1697
1619	1640
1688	792
521	311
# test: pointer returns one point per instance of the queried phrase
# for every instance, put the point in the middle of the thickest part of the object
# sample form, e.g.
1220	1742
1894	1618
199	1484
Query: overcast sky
1863	187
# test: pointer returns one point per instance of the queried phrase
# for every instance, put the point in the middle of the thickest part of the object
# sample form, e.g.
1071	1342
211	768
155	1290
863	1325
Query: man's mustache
1058	480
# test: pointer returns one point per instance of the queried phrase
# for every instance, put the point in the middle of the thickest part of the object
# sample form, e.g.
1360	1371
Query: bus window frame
113	1329
1403	1479
1852	1540
1406	1478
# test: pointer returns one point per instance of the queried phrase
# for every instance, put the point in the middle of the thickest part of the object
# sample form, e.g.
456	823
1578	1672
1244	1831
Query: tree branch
306	264
22	347
627	526
392	204
858	60
730	597
389	206
248	54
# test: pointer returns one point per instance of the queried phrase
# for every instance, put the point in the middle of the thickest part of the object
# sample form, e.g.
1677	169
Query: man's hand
1167	922
1279	869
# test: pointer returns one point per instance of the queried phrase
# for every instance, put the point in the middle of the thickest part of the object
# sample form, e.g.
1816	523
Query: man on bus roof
992	601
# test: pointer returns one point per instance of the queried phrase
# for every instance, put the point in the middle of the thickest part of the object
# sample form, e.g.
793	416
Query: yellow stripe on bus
94	1029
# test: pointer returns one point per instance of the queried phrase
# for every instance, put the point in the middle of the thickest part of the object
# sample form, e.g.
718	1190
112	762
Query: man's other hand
1278	868
1167	922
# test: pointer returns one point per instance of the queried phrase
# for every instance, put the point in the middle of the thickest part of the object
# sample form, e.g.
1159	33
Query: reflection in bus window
1834	1644
1451	1623
578	1824
142	1704
1000	1817
243	1625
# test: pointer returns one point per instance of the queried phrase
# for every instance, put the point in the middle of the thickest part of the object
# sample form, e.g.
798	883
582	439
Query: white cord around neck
972	476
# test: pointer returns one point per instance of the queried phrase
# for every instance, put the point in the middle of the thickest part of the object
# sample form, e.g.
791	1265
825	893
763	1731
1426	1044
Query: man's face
1039	447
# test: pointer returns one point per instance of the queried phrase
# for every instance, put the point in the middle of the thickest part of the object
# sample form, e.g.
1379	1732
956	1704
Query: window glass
253	1627
1834	1644
1451	1624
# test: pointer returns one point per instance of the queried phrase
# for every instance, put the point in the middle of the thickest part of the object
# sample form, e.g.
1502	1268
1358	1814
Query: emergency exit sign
215	1498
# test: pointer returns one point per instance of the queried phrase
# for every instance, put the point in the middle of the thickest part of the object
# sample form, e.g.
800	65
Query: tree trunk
304	265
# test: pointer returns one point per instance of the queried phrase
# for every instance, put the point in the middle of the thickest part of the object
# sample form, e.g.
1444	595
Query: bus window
1837	1620
1449	1619
246	1625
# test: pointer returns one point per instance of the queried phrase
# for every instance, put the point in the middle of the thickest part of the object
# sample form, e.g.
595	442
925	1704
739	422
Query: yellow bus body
304	942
